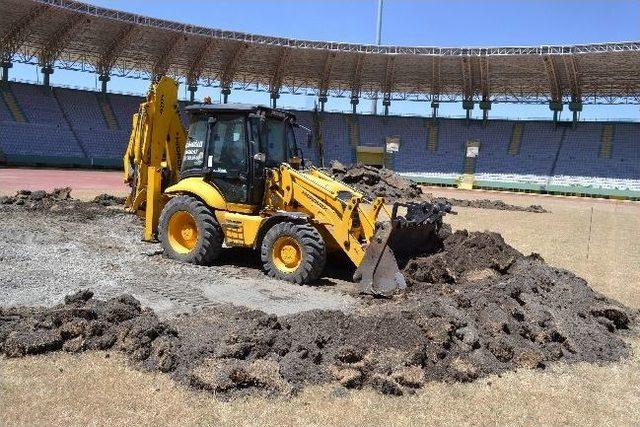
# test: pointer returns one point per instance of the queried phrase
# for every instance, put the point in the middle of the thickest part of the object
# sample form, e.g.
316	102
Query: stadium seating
39	104
38	140
68	124
81	109
5	114
124	107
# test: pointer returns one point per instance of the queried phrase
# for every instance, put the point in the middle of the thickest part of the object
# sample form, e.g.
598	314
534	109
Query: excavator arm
154	154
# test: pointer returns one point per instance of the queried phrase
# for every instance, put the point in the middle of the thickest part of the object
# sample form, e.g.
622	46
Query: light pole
374	106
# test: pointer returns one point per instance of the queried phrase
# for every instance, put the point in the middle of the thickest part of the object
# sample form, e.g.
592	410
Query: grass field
597	239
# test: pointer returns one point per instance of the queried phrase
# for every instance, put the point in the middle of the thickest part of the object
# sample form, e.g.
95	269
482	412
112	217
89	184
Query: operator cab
230	145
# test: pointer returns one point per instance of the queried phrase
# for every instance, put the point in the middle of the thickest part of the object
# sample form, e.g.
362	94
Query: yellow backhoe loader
237	178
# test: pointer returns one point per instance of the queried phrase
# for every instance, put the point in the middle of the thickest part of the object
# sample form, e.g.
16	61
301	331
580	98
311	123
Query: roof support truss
484	77
573	75
198	61
163	63
326	73
435	78
281	67
356	78
555	89
59	39
15	35
467	78
231	67
114	49
389	71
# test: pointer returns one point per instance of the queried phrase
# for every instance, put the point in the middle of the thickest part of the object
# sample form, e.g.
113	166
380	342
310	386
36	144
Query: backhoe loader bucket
400	237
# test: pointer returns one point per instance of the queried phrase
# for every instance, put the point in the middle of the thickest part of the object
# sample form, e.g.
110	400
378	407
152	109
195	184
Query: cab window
275	143
228	145
291	142
195	146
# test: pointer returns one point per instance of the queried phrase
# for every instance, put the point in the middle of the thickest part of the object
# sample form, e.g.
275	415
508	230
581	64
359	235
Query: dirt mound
83	323
108	200
37	199
60	201
374	182
476	307
491	204
463	254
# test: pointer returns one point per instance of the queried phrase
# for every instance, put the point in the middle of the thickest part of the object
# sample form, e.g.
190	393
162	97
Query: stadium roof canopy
73	35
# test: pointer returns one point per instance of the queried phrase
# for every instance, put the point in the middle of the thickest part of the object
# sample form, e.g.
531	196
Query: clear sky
406	22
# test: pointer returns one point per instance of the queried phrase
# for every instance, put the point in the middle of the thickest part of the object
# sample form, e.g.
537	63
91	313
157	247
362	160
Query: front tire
293	252
189	232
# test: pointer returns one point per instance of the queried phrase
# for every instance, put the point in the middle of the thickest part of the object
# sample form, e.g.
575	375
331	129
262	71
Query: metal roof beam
326	73
555	89
16	34
164	61
50	52
281	67
435	78
198	62
115	48
467	78
389	71
356	77
574	76
231	67
484	77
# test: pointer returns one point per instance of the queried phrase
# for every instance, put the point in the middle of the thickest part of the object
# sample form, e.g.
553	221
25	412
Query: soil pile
374	182
109	200
60	201
475	307
38	199
84	323
492	204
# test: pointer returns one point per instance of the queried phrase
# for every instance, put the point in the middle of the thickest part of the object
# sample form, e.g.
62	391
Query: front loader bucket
401	237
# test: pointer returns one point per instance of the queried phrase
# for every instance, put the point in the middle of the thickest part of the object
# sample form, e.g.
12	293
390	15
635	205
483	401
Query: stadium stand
69	127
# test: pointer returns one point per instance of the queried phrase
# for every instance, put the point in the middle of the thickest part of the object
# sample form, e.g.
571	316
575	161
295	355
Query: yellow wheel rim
182	232
286	254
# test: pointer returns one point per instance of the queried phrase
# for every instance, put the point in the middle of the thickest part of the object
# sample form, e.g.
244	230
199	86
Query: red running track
85	184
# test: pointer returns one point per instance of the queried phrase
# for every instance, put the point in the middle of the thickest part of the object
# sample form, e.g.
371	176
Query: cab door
227	164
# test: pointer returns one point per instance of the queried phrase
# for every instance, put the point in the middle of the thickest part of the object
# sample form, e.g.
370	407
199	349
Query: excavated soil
490	204
375	182
59	201
474	307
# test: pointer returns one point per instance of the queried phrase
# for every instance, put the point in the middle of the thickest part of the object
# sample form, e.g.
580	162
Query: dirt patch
491	204
60	201
376	182
39	199
476	307
109	200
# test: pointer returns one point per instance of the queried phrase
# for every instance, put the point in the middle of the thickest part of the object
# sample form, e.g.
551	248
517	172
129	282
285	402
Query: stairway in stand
432	144
12	104
516	139
107	111
606	141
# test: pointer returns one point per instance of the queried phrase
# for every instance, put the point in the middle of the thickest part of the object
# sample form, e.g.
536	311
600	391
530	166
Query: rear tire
189	232
293	252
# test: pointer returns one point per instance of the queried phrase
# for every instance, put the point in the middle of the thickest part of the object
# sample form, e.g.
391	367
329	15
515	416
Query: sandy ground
598	239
